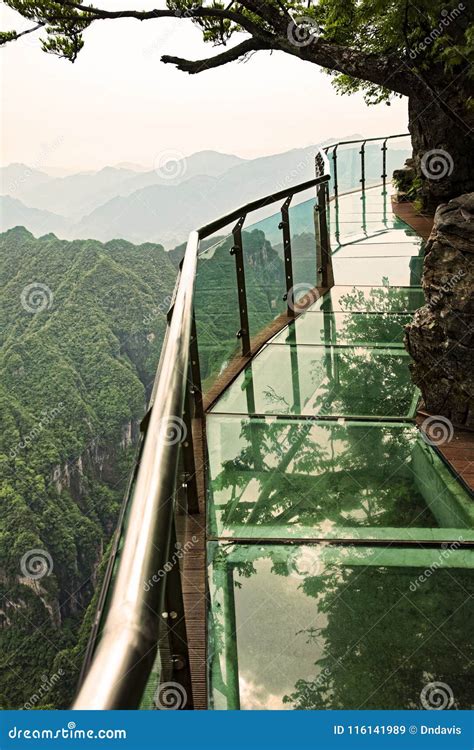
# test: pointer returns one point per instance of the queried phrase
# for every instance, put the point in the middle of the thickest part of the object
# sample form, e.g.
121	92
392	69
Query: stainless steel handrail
127	648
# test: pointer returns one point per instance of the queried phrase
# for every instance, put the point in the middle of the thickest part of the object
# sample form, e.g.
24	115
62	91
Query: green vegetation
81	329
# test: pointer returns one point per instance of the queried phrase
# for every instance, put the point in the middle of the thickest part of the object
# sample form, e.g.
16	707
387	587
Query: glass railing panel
359	329
384	298
325	381
348	167
265	282
338	627
281	478
373	162
398	151
377	271
216	307
304	237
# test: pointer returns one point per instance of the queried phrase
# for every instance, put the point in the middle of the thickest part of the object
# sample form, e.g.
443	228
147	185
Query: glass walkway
290	539
321	495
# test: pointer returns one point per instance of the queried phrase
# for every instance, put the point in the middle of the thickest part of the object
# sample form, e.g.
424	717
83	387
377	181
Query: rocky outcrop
440	338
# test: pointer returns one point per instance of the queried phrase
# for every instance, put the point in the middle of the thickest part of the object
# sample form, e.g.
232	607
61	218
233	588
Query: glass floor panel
338	627
359	329
322	380
385	298
296	479
367	271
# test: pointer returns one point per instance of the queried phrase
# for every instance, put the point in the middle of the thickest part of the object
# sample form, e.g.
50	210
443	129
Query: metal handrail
126	650
125	654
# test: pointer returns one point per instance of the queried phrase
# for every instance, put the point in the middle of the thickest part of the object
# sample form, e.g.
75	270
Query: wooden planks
458	452
421	223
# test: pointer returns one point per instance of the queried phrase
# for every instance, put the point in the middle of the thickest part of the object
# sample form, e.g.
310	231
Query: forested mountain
81	328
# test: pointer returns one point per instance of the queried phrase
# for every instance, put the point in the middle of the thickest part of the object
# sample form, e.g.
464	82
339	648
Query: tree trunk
449	171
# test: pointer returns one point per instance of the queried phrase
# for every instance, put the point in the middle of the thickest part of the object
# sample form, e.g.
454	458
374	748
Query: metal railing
331	152
123	647
129	620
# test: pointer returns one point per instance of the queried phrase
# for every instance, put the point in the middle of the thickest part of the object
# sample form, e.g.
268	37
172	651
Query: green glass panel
383	298
280	478
216	307
303	230
318	380
339	627
345	328
262	244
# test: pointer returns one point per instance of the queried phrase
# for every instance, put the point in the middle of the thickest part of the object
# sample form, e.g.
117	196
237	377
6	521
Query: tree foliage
380	47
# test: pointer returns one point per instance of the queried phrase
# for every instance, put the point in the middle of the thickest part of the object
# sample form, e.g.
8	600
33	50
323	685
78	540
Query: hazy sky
119	103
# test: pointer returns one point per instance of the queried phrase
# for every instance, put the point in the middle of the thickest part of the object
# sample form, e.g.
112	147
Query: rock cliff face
440	338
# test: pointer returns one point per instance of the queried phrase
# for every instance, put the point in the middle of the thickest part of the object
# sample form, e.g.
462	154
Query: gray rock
440	338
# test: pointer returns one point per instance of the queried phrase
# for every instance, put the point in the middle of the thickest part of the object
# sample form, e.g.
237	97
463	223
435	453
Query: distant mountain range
161	205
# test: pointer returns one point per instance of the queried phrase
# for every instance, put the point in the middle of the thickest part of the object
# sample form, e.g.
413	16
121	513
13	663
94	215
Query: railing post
187	446
334	164
285	227
362	166
238	252
384	165
196	370
324	260
175	621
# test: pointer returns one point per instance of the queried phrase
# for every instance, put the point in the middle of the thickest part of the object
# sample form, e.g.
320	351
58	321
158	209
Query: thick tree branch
149	15
230	55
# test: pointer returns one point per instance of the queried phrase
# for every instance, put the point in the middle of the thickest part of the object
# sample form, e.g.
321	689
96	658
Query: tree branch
12	36
230	55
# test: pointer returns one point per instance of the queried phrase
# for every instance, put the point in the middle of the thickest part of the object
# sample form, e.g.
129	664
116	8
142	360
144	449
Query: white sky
119	103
